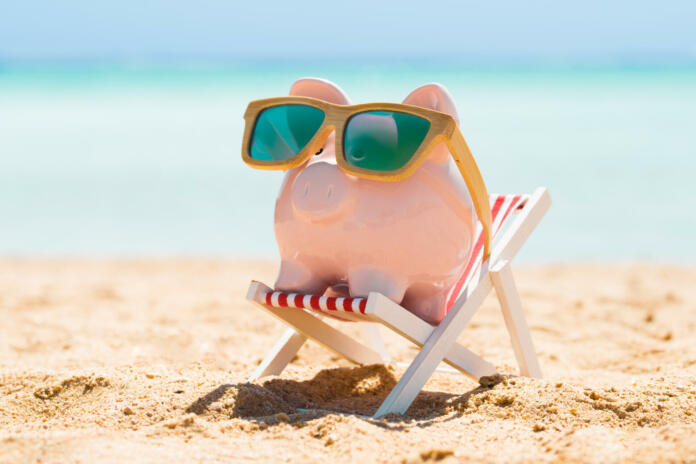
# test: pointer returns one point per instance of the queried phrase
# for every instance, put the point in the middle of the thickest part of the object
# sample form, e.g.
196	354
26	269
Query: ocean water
143	161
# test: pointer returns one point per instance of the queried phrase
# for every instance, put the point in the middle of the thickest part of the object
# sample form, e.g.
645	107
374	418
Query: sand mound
240	401
356	390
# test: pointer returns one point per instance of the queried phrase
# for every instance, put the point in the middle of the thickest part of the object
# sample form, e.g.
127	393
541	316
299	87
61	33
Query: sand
147	360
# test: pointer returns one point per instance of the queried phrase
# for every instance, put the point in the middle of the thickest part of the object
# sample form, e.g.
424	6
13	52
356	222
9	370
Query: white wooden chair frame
438	343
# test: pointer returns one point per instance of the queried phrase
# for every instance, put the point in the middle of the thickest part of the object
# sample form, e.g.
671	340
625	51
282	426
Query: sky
589	30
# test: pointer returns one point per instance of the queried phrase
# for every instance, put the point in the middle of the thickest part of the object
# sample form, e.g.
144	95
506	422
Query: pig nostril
306	189
329	191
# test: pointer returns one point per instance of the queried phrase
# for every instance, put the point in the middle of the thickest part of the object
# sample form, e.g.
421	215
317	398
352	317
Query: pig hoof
295	277
338	290
427	302
364	281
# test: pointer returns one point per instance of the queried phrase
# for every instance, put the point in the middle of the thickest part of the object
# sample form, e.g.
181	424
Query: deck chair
514	219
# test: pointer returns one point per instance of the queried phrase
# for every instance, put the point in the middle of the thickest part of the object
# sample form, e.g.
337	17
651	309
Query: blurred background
120	122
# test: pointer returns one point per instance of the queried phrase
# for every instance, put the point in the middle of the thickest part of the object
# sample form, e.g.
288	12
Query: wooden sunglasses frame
443	128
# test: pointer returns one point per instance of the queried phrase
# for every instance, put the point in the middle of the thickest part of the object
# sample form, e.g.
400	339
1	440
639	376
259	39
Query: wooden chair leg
374	338
322	333
313	328
280	355
434	350
417	331
515	321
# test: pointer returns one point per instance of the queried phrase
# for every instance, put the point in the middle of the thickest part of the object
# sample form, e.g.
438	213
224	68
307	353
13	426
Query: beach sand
147	360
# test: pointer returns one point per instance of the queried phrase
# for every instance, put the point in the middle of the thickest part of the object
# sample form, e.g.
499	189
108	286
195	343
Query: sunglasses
377	141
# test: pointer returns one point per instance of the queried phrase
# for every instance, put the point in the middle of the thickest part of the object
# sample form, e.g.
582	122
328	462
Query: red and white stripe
316	302
502	206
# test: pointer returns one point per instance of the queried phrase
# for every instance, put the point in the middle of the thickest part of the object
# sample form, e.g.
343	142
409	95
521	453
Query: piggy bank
409	240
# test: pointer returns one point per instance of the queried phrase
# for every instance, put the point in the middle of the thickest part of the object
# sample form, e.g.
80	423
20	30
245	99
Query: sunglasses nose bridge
324	134
329	128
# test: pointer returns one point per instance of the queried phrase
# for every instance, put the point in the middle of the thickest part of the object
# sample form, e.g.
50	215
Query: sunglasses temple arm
477	188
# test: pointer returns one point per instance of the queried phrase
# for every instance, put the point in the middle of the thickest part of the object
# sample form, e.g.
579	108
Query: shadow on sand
356	391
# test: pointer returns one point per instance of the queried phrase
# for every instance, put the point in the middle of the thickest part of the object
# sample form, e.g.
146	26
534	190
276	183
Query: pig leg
296	277
338	290
426	301
363	281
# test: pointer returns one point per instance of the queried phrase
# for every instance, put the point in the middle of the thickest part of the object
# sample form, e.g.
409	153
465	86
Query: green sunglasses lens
281	132
383	140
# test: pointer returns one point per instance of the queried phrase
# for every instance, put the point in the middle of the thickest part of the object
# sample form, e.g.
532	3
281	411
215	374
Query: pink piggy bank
408	240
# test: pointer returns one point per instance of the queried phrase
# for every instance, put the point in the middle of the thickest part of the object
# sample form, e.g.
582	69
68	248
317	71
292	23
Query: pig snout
320	192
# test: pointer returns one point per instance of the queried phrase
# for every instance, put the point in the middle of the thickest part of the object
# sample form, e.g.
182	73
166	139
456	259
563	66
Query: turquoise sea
115	160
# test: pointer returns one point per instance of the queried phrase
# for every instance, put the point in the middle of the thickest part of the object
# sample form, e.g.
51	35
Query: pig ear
435	97
319	88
